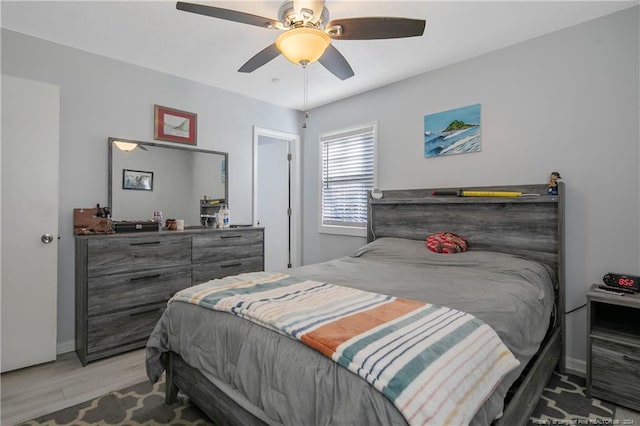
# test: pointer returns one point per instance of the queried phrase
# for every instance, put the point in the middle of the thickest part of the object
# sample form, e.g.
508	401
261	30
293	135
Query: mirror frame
162	145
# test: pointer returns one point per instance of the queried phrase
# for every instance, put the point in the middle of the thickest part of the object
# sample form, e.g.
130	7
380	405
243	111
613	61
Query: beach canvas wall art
456	131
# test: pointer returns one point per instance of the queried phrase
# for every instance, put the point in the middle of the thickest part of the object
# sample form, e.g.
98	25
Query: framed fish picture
456	131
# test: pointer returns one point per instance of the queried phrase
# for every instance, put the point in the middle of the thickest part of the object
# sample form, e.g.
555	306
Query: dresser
613	347
123	281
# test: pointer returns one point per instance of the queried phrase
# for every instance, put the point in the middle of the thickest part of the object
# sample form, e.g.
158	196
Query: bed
512	278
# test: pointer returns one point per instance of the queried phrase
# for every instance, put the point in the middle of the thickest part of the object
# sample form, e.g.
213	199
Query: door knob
46	238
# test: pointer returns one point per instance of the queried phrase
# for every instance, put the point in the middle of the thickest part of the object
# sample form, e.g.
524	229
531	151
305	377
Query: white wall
567	101
102	97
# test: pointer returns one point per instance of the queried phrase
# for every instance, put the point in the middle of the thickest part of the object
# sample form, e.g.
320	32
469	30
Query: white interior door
29	218
273	201
271	186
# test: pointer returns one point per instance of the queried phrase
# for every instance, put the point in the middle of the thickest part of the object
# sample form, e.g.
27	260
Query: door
273	201
29	222
276	198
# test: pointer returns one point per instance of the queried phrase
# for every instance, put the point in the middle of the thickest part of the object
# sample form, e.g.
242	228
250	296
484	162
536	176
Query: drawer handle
630	358
146	277
146	243
229	265
148	311
231	236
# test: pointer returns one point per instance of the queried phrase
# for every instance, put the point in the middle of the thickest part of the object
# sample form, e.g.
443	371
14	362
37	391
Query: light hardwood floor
42	389
31	392
627	417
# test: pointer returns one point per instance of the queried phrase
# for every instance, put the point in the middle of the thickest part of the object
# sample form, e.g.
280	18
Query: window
348	174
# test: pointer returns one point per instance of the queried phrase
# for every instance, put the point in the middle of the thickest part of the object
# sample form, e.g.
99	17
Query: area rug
137	405
563	402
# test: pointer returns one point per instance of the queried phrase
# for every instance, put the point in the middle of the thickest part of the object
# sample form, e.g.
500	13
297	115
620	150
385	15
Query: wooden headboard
529	226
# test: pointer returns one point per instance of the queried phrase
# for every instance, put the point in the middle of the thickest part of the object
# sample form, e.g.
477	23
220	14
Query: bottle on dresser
225	216
157	218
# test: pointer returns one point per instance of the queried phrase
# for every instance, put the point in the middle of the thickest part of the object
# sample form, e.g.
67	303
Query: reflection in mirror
145	176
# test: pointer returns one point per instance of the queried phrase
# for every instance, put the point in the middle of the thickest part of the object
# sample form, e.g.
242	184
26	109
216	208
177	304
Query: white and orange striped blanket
436	364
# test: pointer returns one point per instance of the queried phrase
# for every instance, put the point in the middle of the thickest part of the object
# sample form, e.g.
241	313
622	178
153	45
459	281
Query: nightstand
613	347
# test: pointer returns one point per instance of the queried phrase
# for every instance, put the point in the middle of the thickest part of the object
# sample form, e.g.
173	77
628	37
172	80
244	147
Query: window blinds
348	173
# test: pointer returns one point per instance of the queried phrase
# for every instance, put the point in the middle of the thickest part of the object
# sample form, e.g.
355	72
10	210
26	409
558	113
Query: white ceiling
155	35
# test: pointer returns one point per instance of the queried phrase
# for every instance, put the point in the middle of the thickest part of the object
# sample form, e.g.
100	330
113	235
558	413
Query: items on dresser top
123	281
90	221
121	226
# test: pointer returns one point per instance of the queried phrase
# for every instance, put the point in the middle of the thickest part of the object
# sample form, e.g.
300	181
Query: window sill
349	231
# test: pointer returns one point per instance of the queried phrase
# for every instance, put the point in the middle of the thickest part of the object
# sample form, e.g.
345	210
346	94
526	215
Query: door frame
295	230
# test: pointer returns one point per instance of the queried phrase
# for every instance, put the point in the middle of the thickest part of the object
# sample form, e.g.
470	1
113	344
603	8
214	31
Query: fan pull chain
306	95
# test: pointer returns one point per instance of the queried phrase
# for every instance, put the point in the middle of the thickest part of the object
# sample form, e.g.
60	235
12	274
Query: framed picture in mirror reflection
137	180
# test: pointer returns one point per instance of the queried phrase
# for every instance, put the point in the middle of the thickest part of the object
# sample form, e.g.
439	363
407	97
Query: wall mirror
146	176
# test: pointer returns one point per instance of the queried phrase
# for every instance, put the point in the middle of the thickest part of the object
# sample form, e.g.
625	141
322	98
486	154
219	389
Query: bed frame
531	226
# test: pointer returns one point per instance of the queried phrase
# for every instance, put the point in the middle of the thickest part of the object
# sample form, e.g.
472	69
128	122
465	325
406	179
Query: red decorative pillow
446	242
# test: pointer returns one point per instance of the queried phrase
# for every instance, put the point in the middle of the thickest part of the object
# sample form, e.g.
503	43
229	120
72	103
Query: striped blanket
437	365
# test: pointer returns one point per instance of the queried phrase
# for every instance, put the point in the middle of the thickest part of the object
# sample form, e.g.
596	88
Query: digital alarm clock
624	282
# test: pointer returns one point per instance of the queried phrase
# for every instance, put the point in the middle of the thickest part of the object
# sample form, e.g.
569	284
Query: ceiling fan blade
376	28
261	58
227	14
333	60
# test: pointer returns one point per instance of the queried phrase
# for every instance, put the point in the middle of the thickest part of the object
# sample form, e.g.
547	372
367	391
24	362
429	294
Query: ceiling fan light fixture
303	45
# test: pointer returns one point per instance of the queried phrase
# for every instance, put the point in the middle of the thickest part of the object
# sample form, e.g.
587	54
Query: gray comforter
284	382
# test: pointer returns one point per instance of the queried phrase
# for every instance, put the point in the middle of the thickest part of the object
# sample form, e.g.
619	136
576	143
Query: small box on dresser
123	281
613	347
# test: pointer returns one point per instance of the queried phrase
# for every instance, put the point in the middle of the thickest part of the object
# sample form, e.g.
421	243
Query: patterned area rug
563	402
141	404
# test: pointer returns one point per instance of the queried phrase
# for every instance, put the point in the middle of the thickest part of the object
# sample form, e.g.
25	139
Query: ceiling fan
307	31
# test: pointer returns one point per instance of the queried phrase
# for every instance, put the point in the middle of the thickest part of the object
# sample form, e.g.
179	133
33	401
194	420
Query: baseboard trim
576	366
64	347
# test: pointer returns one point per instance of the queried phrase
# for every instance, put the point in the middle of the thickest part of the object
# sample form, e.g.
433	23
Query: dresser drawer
118	255
210	271
615	372
226	245
122	328
108	293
